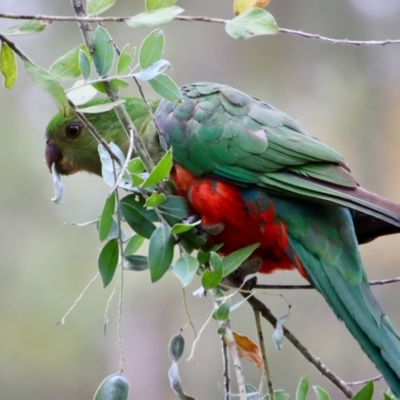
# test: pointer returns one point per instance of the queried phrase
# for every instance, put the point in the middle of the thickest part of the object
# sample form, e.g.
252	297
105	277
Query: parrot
252	174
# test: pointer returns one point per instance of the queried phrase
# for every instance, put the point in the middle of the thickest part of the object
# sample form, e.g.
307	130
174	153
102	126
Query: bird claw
200	229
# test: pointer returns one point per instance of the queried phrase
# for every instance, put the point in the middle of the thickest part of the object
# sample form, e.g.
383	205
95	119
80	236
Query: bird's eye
73	131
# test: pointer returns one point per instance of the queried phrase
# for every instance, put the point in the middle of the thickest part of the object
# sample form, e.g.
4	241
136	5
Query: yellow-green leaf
49	84
67	66
156	4
8	65
160	171
26	28
240	6
95	7
253	22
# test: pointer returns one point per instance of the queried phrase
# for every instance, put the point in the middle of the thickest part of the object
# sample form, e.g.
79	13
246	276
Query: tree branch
257	305
306	35
292	287
358	383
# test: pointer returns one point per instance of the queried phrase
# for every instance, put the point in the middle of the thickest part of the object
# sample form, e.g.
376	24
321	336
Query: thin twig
236	361
306	35
225	370
105	318
189	321
267	371
121	251
358	383
62	320
292	287
197	338
266	313
91	128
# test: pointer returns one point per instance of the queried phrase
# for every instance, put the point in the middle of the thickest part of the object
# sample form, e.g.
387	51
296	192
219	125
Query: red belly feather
218	202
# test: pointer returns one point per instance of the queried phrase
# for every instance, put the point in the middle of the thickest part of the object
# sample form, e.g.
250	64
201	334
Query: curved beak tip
52	154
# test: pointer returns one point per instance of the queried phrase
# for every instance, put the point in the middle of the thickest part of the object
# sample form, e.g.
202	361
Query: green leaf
167	88
138	203
155	17
135	166
185	269
26	28
302	389
151	49
96	7
278	332
108	261
137	221
155	199
49	84
68	66
176	347
103	51
321	393
251	392
81	94
100	108
253	22
365	393
235	259
153	71
222	312
133	245
181	228
84	64
279	395
8	65
106	218
160	171
203	256
161	252
125	60
136	263
114	387
211	279
156	4
175	207
117	84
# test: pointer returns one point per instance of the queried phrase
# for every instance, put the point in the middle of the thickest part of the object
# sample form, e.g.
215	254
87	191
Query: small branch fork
260	307
306	35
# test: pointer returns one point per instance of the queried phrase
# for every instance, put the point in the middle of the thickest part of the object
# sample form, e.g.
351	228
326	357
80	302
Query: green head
72	148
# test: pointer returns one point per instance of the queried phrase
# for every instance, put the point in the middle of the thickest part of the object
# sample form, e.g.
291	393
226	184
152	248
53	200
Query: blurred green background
347	96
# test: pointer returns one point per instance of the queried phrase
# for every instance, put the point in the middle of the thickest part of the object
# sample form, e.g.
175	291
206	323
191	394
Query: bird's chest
237	217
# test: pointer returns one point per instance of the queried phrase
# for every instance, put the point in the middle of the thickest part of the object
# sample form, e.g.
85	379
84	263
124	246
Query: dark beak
52	154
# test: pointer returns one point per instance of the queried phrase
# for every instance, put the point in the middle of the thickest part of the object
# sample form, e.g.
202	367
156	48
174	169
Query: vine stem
187	18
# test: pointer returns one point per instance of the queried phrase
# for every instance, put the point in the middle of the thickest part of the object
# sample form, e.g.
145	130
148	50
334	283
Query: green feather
323	238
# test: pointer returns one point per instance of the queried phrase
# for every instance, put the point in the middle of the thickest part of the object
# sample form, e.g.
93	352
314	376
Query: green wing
333	264
221	132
